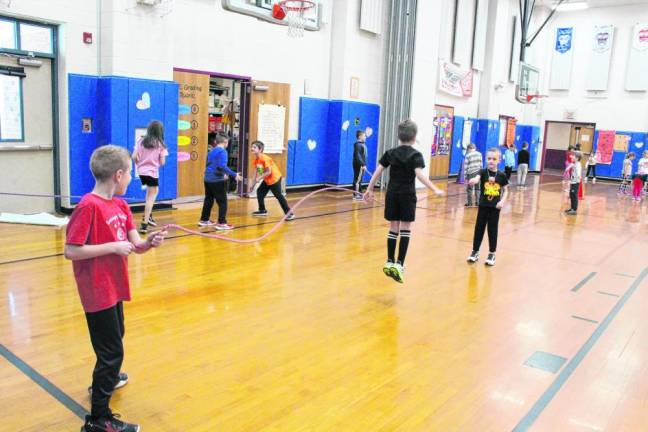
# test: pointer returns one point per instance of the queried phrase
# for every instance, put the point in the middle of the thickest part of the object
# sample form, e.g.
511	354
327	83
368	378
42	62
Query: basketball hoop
295	10
531	97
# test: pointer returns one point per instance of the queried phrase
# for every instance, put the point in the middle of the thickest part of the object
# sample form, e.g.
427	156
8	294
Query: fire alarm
87	37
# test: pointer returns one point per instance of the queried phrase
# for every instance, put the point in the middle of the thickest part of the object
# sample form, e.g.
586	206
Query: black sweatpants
487	217
106	333
573	195
215	191
276	191
591	169
508	170
357	176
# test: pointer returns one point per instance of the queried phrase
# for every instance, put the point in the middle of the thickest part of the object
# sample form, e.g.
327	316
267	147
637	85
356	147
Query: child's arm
501	203
162	159
426	181
369	194
82	252
473	181
141	246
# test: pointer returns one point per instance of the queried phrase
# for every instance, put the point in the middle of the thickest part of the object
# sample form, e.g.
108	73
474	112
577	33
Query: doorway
559	135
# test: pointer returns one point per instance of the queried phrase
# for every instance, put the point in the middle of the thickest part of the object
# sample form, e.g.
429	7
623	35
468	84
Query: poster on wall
621	143
605	147
11	126
272	121
636	76
454	80
561	64
600	58
443	124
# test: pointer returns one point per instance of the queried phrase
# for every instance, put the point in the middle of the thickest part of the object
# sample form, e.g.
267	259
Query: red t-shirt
101	281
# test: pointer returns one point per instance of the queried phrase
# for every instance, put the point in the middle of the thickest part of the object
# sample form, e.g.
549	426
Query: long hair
154	135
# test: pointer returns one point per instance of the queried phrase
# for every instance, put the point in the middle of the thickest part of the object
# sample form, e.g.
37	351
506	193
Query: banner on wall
561	63
443	125
621	143
454	80
600	58
605	147
636	76
640	37
564	38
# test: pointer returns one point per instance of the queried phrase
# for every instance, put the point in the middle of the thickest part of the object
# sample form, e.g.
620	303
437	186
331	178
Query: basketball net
295	10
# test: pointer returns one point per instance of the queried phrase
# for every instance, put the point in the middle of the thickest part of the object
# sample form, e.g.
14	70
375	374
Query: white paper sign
10	108
272	119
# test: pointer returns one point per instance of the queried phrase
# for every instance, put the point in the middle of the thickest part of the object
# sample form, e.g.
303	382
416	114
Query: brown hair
107	160
154	135
258	144
407	131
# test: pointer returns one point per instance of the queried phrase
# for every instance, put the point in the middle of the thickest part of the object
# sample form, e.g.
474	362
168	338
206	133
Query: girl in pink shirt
149	155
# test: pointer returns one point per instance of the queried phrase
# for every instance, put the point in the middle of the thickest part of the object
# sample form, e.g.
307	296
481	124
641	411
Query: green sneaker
398	273
388	268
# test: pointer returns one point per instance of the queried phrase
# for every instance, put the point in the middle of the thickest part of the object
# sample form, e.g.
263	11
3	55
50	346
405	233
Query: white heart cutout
145	102
345	125
639	144
368	131
311	144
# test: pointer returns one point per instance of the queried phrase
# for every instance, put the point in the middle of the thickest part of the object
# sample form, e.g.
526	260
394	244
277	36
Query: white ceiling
597	3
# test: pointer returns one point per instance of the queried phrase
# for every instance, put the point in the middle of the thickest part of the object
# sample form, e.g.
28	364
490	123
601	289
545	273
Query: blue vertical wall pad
111	103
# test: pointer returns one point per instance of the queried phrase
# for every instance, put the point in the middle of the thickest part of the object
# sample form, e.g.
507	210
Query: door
441	141
244	134
271	97
583	135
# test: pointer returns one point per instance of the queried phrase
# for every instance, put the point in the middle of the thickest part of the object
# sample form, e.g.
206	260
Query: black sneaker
490	261
151	221
260	213
290	217
108	424
143	229
123	380
474	257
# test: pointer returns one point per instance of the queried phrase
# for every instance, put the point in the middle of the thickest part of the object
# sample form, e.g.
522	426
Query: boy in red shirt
100	236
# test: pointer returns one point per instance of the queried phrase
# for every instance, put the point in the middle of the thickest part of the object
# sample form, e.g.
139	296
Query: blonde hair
495	150
107	160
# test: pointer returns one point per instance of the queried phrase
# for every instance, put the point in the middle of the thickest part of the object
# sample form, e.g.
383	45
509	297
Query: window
11	108
36	38
7	34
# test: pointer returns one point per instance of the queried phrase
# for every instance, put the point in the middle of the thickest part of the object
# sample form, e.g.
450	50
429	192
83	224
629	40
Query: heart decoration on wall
312	144
145	102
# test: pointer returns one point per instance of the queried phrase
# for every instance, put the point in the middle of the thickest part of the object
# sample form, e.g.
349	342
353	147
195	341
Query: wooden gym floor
303	332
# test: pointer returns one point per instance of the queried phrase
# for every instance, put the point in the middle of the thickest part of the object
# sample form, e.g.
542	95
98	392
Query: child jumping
472	166
626	173
400	202
216	175
494	194
149	155
100	236
267	172
575	170
359	163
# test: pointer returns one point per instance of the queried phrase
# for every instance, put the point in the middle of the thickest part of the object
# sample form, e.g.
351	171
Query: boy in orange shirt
267	172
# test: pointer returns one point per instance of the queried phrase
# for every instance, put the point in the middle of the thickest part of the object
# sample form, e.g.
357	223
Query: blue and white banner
598	71
564	39
561	63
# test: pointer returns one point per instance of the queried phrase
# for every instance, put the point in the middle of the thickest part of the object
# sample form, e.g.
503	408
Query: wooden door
583	135
193	122
265	92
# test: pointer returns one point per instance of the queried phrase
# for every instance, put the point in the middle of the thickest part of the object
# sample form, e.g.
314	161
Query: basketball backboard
528	82
262	9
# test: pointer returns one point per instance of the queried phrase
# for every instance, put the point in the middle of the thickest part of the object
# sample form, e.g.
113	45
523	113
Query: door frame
546	127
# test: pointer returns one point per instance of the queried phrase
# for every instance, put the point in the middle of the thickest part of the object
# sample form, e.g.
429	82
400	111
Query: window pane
7	34
35	38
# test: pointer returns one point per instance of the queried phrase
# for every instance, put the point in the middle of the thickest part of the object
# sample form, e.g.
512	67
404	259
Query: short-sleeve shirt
627	167
148	160
102	281
403	161
261	163
492	187
643	166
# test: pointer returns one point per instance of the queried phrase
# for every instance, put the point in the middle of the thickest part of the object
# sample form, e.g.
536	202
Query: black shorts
149	181
400	207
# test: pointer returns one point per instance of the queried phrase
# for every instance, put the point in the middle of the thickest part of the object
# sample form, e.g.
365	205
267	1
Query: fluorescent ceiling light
565	7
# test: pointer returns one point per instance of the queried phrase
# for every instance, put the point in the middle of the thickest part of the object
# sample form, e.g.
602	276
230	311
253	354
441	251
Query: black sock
402	246
392	238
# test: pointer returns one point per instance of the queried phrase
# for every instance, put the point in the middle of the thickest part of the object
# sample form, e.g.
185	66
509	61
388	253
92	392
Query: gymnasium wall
620	109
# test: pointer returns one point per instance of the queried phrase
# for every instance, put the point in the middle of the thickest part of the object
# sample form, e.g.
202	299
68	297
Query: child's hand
156	239
368	196
123	248
499	205
439	192
238	177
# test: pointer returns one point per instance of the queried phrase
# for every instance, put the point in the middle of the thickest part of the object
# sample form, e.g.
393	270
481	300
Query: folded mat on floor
33	219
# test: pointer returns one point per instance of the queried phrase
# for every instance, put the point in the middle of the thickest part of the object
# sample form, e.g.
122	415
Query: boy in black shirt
494	193
359	163
523	165
400	203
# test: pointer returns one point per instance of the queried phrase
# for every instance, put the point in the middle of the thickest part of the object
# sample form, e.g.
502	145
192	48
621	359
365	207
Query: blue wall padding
330	160
111	103
457	149
531	135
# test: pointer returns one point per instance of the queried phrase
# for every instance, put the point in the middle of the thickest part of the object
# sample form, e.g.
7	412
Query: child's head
470	147
360	136
154	135
493	156
407	131
570	148
220	140
578	156
630	155
112	164
645	154
525	145
257	147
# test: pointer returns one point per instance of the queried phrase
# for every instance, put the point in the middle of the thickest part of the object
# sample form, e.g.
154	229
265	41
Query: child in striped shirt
472	166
